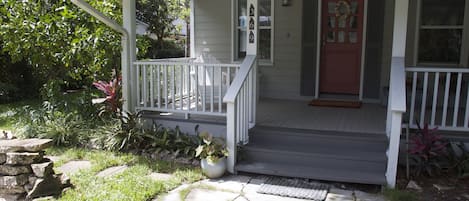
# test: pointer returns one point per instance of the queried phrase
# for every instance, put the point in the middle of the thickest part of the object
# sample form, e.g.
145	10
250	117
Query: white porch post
251	49
128	56
396	102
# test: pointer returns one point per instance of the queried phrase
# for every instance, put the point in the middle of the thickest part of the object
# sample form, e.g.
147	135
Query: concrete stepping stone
112	171
160	176
73	167
210	195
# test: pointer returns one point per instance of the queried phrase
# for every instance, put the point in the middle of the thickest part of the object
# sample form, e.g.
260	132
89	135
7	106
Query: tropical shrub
428	151
113	99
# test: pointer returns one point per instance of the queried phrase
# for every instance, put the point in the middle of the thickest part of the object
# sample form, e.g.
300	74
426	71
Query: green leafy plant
428	151
212	149
173	141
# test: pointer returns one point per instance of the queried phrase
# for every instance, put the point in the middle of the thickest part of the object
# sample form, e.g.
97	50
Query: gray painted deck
371	118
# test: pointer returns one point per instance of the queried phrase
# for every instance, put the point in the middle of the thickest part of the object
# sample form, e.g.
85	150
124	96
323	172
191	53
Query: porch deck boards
370	118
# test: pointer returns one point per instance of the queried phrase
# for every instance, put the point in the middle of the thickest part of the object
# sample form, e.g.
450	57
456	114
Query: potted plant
213	153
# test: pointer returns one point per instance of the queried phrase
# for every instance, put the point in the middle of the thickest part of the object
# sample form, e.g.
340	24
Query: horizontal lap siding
213	28
283	79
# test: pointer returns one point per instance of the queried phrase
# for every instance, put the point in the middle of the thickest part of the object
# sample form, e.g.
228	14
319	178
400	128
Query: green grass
132	184
9	110
398	195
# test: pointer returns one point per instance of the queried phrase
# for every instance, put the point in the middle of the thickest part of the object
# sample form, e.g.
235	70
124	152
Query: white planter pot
213	171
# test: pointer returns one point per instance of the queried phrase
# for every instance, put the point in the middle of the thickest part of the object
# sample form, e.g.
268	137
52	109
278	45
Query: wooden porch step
322	155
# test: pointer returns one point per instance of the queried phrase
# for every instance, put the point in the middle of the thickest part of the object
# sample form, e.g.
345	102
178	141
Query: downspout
126	61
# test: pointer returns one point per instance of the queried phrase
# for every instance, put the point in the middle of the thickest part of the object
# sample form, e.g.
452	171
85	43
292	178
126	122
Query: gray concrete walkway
243	188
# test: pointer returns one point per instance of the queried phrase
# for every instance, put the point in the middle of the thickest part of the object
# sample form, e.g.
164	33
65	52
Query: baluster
165	85
424	98
466	118
158	84
445	104
456	101
152	87
212	88
204	93
189	90
145	86
414	94
196	88
435	97
181	90
220	85
173	86
138	85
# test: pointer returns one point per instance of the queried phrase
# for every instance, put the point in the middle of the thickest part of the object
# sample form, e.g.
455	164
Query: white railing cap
240	78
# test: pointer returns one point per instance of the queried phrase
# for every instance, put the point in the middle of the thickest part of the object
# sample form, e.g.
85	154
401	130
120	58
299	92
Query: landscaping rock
27	145
112	171
14	170
412	185
74	166
339	194
46	187
48	198
11	181
3	158
442	187
160	176
65	181
43	169
23	158
12	190
210	195
11	197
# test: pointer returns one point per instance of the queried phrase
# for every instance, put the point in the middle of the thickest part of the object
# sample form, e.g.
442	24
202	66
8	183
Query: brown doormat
335	103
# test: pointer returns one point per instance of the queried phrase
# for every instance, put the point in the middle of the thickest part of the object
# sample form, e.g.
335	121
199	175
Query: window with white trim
440	32
266	23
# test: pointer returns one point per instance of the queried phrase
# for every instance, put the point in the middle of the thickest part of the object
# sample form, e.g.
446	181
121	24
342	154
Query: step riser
311	141
313	161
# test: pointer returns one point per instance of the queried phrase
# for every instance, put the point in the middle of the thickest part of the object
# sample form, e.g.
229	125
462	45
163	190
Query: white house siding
283	79
213	28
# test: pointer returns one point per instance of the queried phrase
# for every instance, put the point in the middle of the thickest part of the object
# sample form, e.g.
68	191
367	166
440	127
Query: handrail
437	70
184	63
239	80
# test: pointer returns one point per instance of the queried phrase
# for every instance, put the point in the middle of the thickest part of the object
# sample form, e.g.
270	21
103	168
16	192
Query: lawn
132	184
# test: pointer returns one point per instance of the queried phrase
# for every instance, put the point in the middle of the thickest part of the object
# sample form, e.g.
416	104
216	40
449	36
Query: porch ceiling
370	118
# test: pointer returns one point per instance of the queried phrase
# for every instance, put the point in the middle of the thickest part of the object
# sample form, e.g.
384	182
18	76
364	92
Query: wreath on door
342	9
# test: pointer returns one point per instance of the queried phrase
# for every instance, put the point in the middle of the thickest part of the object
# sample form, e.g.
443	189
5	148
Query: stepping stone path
160	176
244	188
25	173
112	171
73	167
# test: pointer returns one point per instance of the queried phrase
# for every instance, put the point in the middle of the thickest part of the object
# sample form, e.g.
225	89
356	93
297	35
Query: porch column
396	98
128	53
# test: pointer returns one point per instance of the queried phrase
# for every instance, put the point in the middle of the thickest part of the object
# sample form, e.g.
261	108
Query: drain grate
295	188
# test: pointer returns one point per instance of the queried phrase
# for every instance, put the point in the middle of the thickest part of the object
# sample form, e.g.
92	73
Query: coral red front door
341	48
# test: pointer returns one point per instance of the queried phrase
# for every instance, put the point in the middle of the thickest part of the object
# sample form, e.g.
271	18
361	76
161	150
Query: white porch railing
439	98
183	86
396	108
241	100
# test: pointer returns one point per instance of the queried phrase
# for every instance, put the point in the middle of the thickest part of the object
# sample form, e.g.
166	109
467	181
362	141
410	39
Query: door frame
318	50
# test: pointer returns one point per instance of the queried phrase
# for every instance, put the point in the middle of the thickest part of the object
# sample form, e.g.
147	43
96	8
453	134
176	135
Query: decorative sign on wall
252	10
252	23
